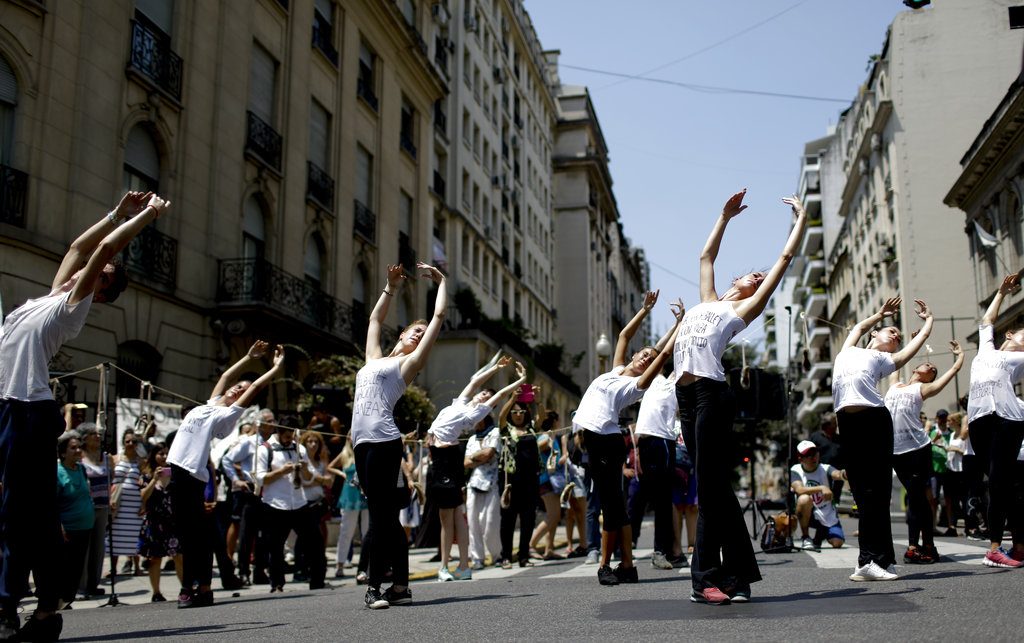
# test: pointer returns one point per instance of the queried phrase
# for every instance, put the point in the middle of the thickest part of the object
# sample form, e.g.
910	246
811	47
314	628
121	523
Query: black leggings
378	465
606	454
914	469
997	441
187	494
306	523
867	449
723	555
654	485
523	507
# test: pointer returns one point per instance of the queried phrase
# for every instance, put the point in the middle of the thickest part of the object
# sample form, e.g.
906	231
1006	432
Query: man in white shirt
239	467
812	482
30	419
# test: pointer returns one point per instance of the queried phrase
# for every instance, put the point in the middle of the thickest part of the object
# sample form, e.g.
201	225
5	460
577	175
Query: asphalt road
803	596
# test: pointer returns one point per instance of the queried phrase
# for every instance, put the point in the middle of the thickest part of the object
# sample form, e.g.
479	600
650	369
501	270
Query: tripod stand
101	421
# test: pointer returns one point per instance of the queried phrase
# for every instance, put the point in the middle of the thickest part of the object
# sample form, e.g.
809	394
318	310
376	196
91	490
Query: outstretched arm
888	309
380	311
111	245
708	255
246	398
508	390
418	358
622	345
480	377
754	305
257	351
903	356
932	388
678	311
82	248
665	354
1010	283
503	414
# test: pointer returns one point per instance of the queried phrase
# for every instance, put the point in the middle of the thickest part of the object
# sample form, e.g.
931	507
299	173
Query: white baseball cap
805	446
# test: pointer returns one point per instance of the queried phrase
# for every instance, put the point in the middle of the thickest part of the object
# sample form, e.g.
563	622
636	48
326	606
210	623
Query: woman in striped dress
127	489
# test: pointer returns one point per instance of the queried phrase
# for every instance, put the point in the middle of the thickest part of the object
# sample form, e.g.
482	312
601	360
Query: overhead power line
708	89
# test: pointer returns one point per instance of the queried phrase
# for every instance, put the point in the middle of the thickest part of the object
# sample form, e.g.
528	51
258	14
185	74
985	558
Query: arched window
314	260
8	101
141	360
141	161
254	238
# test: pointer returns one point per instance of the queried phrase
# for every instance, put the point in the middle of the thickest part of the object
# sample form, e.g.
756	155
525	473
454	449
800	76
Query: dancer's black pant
606	454
523	507
975	505
187	496
657	468
29	529
914	469
378	465
306	523
867	449
997	441
723	555
248	528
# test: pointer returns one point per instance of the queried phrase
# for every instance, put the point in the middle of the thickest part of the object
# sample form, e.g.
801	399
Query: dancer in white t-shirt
189	458
598	416
446	456
867	430
723	564
912	451
376	440
996	424
30	419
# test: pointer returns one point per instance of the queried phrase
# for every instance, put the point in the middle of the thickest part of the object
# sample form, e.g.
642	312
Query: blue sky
677	154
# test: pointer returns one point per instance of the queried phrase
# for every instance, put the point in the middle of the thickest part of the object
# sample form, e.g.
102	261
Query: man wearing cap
810	481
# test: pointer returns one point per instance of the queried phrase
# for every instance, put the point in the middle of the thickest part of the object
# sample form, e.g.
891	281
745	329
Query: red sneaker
998	558
710	595
1017	555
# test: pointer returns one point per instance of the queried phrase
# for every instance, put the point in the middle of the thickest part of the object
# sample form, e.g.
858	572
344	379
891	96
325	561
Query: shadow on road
447	600
199	630
853	600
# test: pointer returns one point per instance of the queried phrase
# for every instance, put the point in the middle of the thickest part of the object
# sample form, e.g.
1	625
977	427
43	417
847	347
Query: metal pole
956	377
101	420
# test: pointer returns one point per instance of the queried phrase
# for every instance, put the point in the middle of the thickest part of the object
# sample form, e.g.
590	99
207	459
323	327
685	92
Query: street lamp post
603	347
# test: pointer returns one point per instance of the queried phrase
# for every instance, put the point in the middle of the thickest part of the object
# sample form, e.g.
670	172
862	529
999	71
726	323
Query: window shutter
141	154
8	84
319	135
261	84
364	168
160	12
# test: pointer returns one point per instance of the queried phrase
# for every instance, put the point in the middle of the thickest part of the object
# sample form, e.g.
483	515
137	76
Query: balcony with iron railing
259	283
150	58
364	222
13	196
262	141
319	187
152	258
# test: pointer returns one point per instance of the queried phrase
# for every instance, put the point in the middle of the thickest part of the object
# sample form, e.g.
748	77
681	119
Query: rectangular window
319	135
405	212
262	84
323	29
407	130
409	12
159	12
366	83
364	176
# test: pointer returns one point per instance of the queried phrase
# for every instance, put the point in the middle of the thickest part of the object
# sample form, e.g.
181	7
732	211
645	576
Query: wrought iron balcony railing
261	283
13	195
152	256
151	56
365	222
263	141
320	186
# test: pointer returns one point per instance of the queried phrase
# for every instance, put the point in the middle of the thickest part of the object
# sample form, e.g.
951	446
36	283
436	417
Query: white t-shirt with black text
904	404
993	374
604	400
191	447
658	409
855	376
456	419
824	510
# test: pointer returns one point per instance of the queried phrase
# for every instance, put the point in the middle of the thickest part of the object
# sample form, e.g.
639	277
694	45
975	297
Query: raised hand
1010	283
651	298
794	202
504	361
131	204
158	204
433	273
395	275
678	309
890	307
259	349
922	309
520	370
279	356
954	346
734	205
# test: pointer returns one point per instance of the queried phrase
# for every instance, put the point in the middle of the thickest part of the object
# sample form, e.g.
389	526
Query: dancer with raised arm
30	419
867	430
446	455
723	564
996	426
912	451
189	457
598	417
377	440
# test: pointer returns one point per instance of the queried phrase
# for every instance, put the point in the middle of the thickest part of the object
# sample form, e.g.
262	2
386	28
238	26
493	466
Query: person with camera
158	537
239	467
282	468
189	458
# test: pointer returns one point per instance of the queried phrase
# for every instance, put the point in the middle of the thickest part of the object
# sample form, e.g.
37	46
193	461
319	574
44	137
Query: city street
804	595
